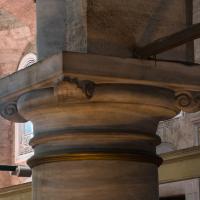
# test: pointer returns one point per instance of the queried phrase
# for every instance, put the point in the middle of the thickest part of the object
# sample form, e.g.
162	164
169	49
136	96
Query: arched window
27	60
24	131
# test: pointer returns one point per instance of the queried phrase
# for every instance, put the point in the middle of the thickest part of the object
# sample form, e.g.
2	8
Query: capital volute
188	101
76	78
10	112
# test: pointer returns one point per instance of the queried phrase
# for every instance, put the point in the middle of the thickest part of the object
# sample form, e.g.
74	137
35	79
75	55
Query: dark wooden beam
166	43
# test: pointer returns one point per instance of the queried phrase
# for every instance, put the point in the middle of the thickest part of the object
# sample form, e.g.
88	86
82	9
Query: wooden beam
166	43
180	165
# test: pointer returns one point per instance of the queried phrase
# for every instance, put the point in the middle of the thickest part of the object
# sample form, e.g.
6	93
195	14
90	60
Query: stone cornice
181	155
100	68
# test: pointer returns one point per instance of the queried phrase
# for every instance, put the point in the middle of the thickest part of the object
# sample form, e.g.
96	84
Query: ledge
16	189
180	165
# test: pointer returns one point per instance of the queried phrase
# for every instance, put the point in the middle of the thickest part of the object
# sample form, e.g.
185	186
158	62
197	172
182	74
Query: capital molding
73	89
188	101
84	72
137	157
10	112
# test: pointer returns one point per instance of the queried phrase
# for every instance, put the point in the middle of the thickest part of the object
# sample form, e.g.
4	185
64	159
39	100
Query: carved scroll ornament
9	111
188	101
72	89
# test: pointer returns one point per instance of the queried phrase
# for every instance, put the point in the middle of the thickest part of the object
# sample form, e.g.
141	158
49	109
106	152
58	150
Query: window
23	134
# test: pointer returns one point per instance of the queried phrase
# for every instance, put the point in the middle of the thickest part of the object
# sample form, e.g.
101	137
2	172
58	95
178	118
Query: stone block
106	27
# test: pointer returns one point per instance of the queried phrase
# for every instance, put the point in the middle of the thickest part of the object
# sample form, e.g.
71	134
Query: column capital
90	110
84	71
10	112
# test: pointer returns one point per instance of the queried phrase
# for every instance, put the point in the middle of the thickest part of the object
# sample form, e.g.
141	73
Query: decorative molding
28	60
138	157
73	89
112	136
181	155
99	69
9	109
188	101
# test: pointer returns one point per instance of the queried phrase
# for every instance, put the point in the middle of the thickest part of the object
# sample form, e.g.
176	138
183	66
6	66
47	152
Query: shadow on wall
174	198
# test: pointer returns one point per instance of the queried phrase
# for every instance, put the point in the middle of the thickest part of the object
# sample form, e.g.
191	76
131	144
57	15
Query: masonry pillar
95	143
99	146
94	109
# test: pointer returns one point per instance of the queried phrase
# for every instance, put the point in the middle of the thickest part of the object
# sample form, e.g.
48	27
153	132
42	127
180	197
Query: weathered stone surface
108	27
104	130
106	179
180	78
180	165
127	94
179	132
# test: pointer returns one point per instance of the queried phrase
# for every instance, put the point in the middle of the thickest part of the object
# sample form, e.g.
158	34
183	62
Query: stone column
61	26
95	141
95	117
103	27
